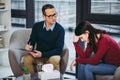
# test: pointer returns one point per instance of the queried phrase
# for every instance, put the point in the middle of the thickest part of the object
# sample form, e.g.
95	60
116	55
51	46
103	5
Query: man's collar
51	28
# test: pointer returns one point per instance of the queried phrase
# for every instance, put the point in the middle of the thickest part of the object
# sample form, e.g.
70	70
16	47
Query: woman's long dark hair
85	25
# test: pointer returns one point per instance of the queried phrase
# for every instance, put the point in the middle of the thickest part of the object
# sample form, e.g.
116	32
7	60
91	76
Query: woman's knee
88	67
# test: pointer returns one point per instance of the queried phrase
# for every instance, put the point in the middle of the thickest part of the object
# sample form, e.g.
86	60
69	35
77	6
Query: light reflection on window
111	29
105	6
18	4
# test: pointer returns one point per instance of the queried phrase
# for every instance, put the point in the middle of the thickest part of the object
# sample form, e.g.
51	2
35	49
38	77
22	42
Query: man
48	38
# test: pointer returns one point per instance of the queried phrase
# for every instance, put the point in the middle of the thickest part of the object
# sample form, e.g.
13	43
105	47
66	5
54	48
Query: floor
6	71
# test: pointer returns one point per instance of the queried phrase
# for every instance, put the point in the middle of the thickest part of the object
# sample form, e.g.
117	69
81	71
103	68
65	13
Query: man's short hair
46	6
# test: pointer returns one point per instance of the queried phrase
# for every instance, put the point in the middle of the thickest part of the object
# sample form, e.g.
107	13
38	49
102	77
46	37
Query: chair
18	40
116	75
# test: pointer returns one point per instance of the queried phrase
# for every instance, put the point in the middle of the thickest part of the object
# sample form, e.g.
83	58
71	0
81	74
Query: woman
106	50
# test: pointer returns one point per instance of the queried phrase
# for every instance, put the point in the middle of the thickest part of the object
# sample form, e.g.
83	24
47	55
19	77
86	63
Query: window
105	6
99	11
18	9
18	4
22	13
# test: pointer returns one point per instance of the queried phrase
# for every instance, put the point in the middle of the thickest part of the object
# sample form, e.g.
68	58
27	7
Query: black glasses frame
51	16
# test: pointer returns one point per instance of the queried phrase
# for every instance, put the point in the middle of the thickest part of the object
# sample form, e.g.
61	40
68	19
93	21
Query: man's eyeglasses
51	16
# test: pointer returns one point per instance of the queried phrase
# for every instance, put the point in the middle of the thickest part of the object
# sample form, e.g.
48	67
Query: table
52	75
34	77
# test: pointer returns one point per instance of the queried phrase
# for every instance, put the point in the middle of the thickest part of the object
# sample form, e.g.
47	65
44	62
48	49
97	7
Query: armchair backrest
18	40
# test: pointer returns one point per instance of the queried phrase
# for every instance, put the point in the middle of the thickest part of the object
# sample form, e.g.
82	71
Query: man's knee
28	59
55	61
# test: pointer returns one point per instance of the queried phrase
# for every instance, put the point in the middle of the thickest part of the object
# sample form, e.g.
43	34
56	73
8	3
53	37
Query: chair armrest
15	63
117	74
64	60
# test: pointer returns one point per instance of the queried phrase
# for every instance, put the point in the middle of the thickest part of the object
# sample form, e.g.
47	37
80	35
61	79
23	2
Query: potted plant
26	75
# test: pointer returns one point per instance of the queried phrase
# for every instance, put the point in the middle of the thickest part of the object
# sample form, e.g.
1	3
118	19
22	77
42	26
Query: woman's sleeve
101	50
80	52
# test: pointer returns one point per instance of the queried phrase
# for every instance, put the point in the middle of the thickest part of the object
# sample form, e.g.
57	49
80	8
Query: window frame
28	14
84	11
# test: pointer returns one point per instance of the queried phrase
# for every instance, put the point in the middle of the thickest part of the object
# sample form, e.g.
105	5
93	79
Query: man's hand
28	47
36	54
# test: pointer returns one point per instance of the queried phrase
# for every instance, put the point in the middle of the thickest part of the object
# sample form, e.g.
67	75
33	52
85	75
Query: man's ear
43	16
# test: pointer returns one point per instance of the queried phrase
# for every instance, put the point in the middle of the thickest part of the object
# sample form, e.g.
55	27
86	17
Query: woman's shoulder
107	38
